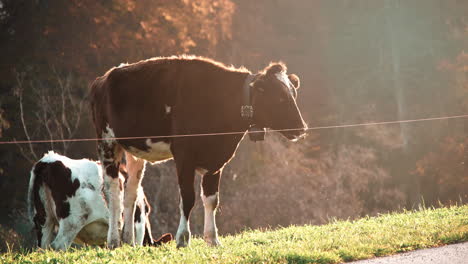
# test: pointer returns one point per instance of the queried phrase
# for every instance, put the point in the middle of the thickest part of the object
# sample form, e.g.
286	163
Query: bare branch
78	110
25	154
58	111
19	91
63	91
44	119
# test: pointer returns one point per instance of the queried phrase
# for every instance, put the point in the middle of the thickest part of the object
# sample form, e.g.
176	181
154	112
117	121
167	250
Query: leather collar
256	133
247	110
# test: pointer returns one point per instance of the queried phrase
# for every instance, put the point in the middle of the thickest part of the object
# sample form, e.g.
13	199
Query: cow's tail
91	98
94	92
37	172
31	209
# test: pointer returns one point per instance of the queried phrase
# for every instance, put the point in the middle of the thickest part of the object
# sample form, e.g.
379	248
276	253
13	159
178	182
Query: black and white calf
66	204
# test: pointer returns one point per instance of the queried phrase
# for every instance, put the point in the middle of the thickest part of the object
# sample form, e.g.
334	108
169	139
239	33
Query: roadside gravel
451	254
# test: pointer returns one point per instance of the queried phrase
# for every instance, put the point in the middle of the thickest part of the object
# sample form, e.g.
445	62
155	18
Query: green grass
335	242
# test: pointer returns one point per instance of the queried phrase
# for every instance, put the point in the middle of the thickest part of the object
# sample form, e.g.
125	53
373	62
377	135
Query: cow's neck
247	110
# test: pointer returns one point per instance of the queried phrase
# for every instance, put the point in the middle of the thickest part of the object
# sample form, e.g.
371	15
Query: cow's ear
294	79
258	85
275	68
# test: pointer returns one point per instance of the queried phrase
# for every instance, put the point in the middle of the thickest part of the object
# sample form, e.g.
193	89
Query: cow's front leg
135	170
185	174
113	190
210	196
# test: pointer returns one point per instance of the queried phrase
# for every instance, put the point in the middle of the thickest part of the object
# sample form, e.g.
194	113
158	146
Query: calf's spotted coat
67	205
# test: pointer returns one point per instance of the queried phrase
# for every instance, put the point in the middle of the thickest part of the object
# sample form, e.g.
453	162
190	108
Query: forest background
359	61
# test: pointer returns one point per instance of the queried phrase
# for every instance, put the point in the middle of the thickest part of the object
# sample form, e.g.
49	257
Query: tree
443	172
58	108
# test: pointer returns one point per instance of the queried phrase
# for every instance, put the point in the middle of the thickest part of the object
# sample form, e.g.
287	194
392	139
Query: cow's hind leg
135	169
210	196
110	154
186	175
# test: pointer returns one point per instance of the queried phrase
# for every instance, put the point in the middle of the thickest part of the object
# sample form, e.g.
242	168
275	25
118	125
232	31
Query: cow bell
256	133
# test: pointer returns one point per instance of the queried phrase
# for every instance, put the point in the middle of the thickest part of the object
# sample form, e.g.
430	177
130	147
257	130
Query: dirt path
451	254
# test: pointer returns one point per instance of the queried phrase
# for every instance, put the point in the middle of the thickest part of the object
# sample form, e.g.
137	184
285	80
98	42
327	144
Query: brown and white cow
67	205
158	98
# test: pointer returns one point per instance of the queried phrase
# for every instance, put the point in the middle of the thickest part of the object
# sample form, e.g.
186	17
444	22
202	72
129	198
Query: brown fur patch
57	178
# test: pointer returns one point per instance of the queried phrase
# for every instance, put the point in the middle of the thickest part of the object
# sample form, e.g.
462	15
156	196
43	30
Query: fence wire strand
236	132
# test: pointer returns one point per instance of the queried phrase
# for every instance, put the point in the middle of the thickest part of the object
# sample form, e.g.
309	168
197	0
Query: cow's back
144	98
132	97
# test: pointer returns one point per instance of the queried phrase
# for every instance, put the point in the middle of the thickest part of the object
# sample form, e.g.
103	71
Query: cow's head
274	101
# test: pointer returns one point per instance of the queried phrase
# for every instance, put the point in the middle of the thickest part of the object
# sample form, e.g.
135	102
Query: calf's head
274	94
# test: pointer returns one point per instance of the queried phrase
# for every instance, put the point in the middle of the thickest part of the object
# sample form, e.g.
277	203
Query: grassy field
338	241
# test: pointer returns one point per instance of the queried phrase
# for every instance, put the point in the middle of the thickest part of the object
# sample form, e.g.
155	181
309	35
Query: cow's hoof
213	242
183	241
183	238
58	247
128	238
182	245
115	243
211	238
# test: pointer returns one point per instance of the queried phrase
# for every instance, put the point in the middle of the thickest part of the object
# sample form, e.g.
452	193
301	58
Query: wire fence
236	132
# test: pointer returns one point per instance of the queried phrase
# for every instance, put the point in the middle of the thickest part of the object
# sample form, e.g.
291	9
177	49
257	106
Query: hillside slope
338	241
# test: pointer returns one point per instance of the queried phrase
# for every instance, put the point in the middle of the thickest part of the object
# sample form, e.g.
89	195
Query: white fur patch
115	204
210	232
202	171
168	109
183	231
140	227
159	151
140	231
84	170
284	79
108	136
109	140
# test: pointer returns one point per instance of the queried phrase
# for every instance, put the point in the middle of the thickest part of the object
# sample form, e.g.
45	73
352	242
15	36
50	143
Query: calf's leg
135	169
210	197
